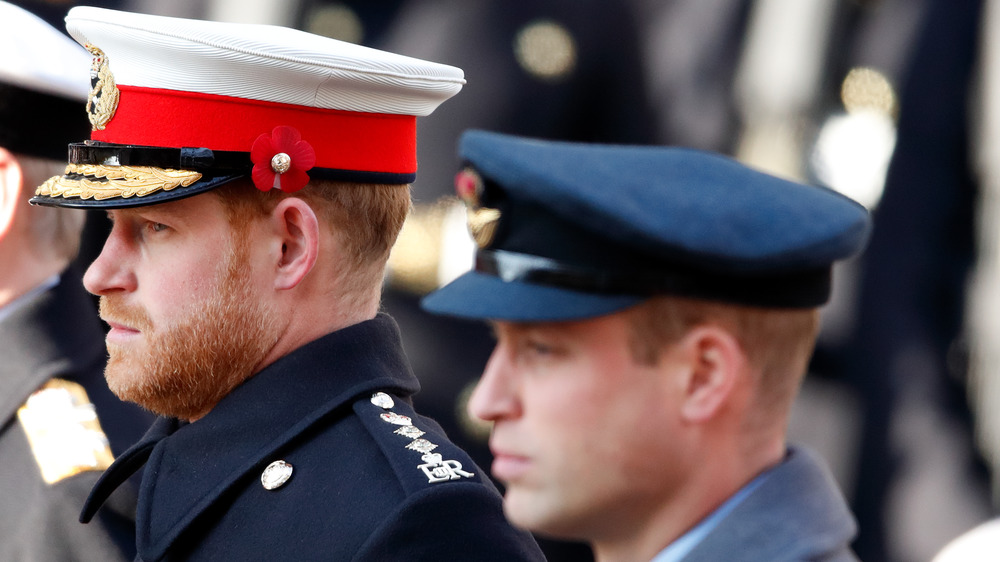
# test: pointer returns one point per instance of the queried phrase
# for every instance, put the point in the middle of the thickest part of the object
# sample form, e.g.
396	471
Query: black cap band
212	162
801	289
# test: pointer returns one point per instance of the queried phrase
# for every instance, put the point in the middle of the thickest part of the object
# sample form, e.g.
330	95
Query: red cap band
343	140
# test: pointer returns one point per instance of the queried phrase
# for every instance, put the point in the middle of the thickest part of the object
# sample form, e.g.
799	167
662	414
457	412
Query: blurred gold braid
115	181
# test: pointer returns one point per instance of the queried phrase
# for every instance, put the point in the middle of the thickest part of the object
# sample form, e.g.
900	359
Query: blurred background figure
893	102
981	544
871	98
61	426
919	478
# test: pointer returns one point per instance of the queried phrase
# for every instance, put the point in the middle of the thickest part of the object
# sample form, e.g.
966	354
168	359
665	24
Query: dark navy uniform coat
356	491
57	335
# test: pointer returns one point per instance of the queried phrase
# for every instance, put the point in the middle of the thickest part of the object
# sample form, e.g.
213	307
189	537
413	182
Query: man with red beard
256	178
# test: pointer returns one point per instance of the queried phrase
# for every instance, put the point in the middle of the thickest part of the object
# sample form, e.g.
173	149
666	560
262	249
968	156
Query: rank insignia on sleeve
421	446
410	431
439	470
394	418
63	431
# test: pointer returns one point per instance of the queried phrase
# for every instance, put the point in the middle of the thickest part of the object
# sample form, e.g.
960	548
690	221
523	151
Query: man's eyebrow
510	329
498	329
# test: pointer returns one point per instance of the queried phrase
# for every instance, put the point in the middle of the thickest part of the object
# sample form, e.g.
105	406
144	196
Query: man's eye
157	226
539	348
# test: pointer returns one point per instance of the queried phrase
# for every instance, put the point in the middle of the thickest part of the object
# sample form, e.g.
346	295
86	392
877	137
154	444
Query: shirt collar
9	308
681	547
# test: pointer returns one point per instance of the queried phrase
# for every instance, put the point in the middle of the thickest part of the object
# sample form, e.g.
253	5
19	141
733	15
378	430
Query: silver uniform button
275	475
382	400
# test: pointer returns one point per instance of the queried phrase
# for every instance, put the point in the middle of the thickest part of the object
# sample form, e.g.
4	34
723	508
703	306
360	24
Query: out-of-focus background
893	102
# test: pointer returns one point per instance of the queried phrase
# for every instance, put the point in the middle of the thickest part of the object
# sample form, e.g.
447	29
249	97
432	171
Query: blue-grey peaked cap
587	229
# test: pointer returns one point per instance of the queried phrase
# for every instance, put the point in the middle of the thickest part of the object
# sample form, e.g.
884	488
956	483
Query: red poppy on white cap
177	106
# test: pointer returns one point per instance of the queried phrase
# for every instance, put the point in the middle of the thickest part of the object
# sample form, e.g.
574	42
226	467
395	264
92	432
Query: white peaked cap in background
43	84
39	57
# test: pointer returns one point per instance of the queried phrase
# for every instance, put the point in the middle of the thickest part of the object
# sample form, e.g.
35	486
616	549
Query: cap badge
382	400
275	475
482	221
439	470
281	160
103	98
398	419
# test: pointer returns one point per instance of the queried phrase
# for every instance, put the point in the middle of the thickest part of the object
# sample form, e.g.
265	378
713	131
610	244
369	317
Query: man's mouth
120	333
508	465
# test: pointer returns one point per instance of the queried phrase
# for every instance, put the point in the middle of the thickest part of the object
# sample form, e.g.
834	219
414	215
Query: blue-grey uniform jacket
796	514
363	485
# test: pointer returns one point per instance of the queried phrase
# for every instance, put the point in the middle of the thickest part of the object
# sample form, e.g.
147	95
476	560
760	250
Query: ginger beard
183	370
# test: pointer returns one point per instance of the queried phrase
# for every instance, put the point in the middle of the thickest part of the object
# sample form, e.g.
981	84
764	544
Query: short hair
54	232
778	342
364	218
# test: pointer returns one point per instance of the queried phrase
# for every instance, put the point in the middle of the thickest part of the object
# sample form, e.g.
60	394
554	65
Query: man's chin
123	379
542	513
522	509
119	352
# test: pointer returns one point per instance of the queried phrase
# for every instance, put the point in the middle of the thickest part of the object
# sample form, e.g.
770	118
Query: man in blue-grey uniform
655	311
256	178
60	426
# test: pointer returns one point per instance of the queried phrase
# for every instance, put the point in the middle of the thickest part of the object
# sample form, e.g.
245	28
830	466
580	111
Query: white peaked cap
39	57
43	84
180	106
262	62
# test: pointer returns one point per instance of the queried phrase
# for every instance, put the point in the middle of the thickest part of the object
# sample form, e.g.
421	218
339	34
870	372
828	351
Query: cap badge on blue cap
482	221
103	99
